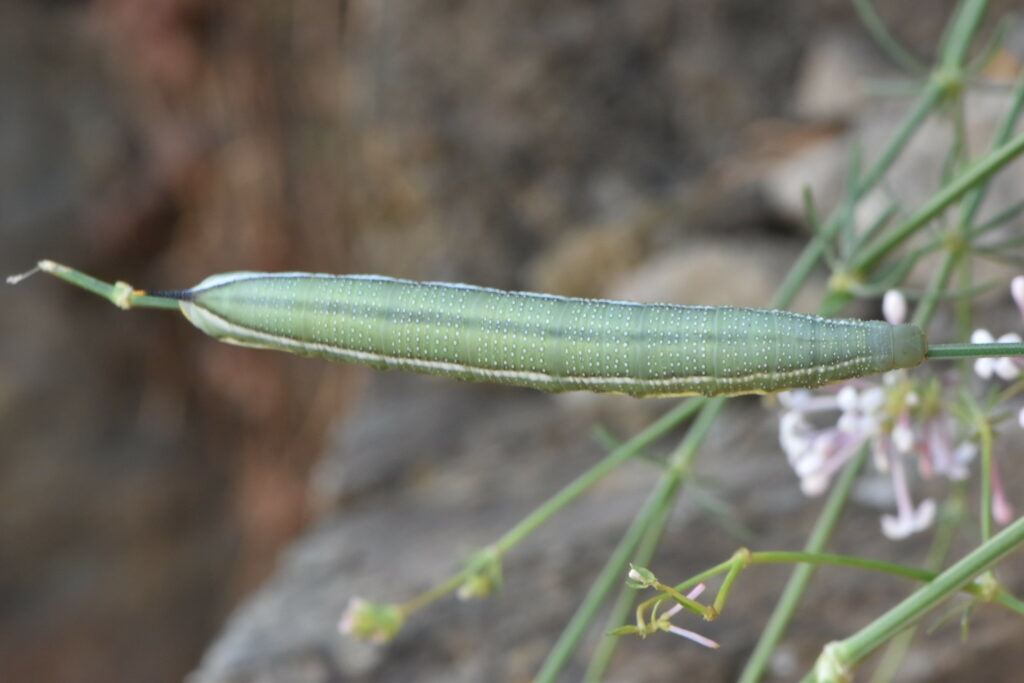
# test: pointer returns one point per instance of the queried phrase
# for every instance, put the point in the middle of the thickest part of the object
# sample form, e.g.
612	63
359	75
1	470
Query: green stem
962	303
606	647
817	559
610	576
575	488
939	351
949	519
958	40
812	253
926	308
801	576
839	657
657	511
583	482
924	575
121	294
993	162
880	32
973	202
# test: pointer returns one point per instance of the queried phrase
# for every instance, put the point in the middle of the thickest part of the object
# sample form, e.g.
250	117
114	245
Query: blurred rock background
173	505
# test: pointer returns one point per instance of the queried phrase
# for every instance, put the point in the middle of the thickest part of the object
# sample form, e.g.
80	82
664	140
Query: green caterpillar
546	342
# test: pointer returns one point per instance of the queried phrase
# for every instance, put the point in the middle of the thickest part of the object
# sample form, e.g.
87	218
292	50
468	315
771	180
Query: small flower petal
892	378
695	637
880	454
695	592
899	527
794	398
924	515
956	469
847	399
1006	368
794	435
982	336
872	400
903	437
894	528
814	484
1017	292
1002	511
894	307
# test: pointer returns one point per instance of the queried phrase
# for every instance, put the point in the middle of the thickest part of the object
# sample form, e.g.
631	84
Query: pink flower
682	632
940	454
908	519
884	418
817	454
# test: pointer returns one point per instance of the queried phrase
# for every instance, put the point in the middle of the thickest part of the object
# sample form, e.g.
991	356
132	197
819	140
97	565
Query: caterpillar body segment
546	342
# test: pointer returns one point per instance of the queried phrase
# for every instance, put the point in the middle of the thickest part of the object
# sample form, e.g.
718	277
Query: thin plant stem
623	605
812	253
610	576
975	198
929	302
950	517
795	588
840	657
583	482
924	575
963	27
941	200
743	559
121	294
880	32
567	494
962	303
1004	216
939	351
678	464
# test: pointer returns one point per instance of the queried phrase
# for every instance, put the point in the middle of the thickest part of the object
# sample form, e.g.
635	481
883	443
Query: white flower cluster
900	421
865	418
1008	369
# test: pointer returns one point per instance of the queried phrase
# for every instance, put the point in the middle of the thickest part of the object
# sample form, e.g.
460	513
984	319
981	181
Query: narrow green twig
937	351
655	513
880	32
840	657
121	294
939	202
801	576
